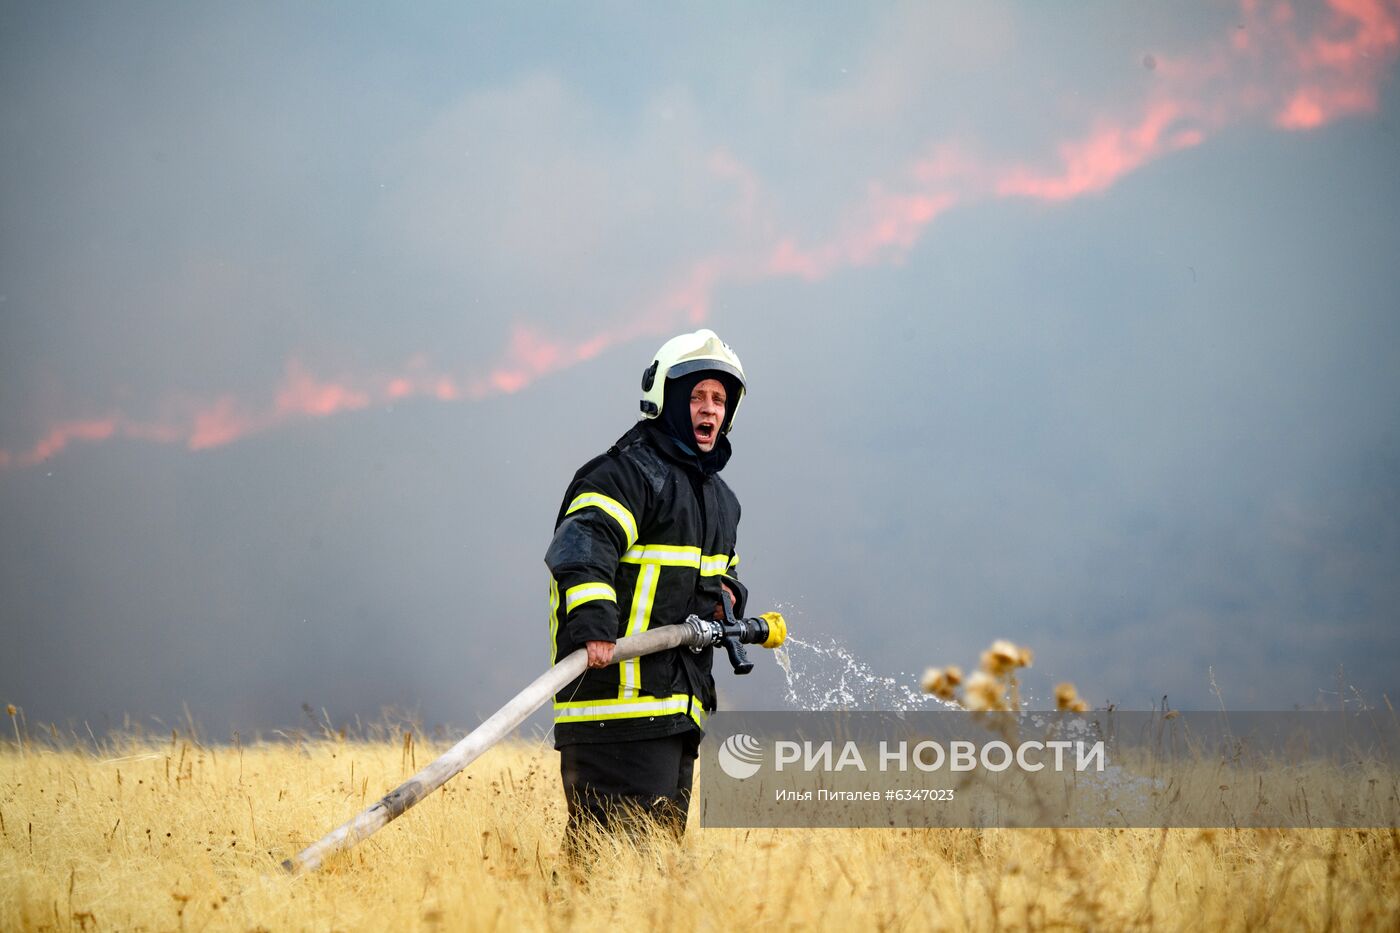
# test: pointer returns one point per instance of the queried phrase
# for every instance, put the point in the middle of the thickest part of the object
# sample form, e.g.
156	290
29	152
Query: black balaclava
675	416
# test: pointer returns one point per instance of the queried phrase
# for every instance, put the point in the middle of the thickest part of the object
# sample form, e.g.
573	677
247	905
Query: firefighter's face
707	401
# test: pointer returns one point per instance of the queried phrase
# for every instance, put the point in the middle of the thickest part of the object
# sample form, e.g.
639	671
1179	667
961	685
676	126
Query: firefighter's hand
719	607
600	653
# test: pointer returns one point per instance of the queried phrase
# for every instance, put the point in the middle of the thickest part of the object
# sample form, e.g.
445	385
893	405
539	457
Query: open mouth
705	432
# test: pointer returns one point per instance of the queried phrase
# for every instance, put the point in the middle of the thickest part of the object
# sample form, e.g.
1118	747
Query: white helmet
690	353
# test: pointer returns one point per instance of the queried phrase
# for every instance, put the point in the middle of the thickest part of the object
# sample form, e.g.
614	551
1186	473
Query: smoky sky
1071	325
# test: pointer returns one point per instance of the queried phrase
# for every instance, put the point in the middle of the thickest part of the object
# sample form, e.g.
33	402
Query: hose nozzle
777	629
768	630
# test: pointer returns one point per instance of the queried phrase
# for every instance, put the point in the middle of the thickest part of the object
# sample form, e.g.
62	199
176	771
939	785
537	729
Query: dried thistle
1004	657
982	693
995	687
941	683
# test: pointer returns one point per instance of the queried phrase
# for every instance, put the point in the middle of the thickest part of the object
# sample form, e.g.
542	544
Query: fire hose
768	630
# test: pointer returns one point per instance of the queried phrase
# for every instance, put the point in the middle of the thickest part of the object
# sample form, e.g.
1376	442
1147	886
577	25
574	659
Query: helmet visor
686	367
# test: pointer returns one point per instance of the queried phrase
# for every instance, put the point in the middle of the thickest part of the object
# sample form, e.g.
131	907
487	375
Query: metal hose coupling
768	630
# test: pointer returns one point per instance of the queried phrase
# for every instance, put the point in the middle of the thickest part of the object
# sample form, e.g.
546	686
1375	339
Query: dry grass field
178	834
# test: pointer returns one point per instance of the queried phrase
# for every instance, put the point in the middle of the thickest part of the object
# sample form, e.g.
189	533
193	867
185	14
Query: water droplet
827	676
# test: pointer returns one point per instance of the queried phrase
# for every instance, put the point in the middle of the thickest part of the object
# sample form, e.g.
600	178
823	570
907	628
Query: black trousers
622	785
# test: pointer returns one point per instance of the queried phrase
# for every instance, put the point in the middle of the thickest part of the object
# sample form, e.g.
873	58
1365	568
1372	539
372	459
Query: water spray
768	630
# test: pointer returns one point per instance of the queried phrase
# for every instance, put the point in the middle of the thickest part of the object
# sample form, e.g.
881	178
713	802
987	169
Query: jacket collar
675	451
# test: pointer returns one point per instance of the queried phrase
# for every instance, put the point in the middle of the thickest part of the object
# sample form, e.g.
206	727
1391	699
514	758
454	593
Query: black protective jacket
644	536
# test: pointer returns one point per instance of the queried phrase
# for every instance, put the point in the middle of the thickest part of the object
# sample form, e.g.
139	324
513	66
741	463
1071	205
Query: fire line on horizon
1264	70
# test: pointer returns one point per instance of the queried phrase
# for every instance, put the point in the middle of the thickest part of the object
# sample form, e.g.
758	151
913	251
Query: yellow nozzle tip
777	629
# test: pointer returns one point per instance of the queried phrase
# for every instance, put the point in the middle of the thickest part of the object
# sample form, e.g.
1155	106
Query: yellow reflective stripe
553	619
677	555
734	562
629	683
643	598
629	708
666	555
713	565
612	507
576	596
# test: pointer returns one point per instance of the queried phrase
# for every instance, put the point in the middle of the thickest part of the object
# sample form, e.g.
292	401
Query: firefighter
645	537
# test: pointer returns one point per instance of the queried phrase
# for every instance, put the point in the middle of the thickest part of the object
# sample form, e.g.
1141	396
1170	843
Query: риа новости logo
740	756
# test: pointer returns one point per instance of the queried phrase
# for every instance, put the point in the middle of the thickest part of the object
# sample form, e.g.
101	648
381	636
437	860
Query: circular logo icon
740	756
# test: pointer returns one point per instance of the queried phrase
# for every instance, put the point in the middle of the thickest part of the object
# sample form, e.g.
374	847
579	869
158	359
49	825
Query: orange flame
1093	164
1262	70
